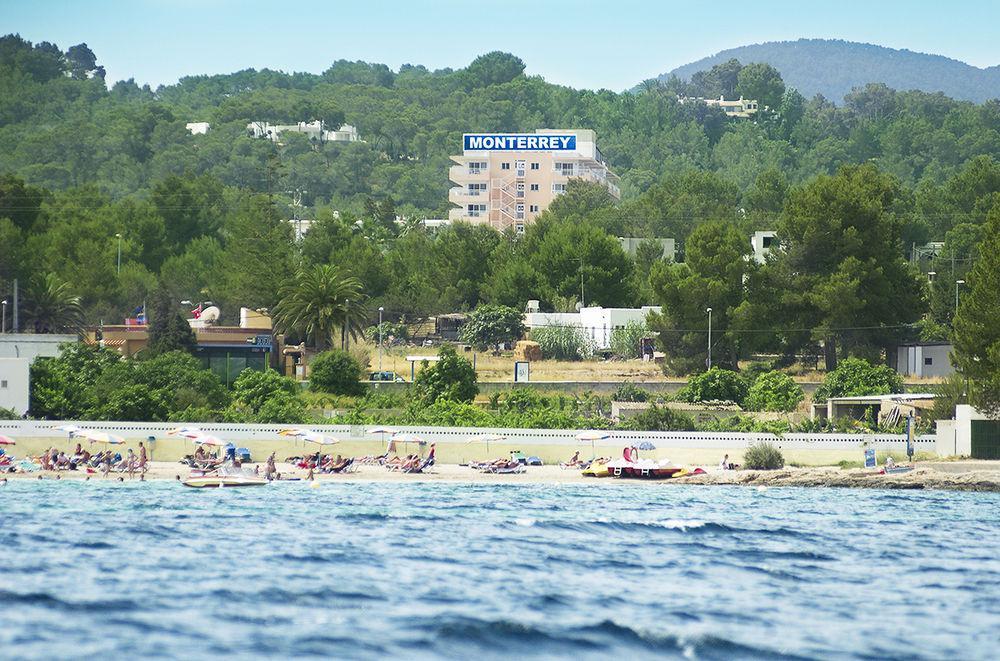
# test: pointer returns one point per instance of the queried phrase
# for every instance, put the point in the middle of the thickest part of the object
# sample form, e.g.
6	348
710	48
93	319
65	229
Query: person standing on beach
269	470
142	457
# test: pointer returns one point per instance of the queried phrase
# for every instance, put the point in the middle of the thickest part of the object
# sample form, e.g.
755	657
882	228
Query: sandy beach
972	476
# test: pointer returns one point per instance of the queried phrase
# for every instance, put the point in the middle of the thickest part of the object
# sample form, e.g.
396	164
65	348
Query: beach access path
982	476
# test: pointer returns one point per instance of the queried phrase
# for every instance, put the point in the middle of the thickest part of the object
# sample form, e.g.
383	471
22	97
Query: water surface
460	571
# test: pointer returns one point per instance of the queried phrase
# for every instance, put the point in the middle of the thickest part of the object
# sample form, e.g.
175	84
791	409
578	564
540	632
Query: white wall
136	431
14	384
32	345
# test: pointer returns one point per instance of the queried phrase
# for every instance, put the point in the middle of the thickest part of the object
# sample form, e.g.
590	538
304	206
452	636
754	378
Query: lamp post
958	283
582	301
3	324
708	362
380	309
930	276
119	252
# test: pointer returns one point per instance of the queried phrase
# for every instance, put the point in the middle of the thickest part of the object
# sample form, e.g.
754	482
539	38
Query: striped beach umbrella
593	436
7	440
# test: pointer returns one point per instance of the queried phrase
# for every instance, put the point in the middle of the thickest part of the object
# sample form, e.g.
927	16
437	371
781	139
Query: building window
558	189
519	214
475	167
505	166
476	210
928	361
534	166
477	189
534	186
3	384
565	169
519	228
533	208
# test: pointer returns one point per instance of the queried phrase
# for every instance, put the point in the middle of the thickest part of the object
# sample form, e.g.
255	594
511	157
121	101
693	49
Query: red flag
196	313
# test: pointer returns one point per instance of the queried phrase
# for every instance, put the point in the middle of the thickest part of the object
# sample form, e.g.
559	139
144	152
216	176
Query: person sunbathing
574	461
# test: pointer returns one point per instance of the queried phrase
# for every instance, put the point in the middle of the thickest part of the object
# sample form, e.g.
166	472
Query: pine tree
977	323
168	330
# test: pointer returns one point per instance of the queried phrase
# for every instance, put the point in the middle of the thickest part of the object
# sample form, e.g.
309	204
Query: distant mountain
831	67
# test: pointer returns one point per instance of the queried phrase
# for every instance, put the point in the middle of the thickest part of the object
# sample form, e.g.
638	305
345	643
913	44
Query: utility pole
119	253
582	300
380	309
14	320
958	283
3	325
709	361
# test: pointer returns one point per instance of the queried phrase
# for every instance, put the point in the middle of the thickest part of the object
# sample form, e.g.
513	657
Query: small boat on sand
892	470
630	465
226	475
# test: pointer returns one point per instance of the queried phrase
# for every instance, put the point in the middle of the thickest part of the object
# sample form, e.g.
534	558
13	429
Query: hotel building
506	180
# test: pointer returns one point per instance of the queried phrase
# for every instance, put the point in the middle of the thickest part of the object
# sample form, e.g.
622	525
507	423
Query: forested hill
832	67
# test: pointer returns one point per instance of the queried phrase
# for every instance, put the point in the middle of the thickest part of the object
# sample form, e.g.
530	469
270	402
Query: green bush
392	333
563	342
715	385
855	377
490	325
8	414
336	372
656	418
451	377
625	341
629	392
763	456
774	391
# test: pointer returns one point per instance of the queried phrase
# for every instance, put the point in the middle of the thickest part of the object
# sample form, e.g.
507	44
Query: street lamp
3	324
119	252
380	309
930	276
709	361
958	283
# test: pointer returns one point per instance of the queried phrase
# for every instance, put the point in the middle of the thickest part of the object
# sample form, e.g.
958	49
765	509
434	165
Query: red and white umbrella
7	440
206	439
186	432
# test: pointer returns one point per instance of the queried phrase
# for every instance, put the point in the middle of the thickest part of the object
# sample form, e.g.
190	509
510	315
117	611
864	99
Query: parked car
385	376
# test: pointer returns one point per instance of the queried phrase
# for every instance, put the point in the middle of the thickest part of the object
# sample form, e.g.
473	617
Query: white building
14	380
17	352
507	179
315	131
763	243
598	323
198	128
742	108
924	359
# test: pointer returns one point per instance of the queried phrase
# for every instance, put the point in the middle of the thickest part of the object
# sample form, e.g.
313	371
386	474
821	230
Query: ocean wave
46	600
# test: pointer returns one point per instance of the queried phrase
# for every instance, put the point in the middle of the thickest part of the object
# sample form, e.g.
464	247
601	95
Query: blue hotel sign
518	142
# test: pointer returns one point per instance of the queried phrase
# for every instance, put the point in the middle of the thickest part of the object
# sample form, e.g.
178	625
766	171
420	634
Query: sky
611	44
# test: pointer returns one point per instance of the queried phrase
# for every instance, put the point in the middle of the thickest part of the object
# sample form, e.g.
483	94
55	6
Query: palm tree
320	300
51	306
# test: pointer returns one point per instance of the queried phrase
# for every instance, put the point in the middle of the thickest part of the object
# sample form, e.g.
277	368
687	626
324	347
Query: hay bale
527	350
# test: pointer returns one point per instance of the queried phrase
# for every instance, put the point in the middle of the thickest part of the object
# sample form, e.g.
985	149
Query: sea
460	571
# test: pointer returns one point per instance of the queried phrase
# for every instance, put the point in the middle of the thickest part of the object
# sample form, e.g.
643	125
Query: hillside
831	67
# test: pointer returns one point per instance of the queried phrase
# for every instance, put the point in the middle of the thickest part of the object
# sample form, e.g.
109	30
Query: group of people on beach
133	463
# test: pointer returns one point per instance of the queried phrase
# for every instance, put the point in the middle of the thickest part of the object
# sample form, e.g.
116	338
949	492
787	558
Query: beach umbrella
69	429
206	439
103	437
186	432
486	438
593	437
381	431
645	445
6	440
319	439
406	439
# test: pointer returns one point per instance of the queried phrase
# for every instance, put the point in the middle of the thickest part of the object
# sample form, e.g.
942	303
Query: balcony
462	195
462	174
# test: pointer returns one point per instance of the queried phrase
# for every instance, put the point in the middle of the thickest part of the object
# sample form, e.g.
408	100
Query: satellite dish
210	314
